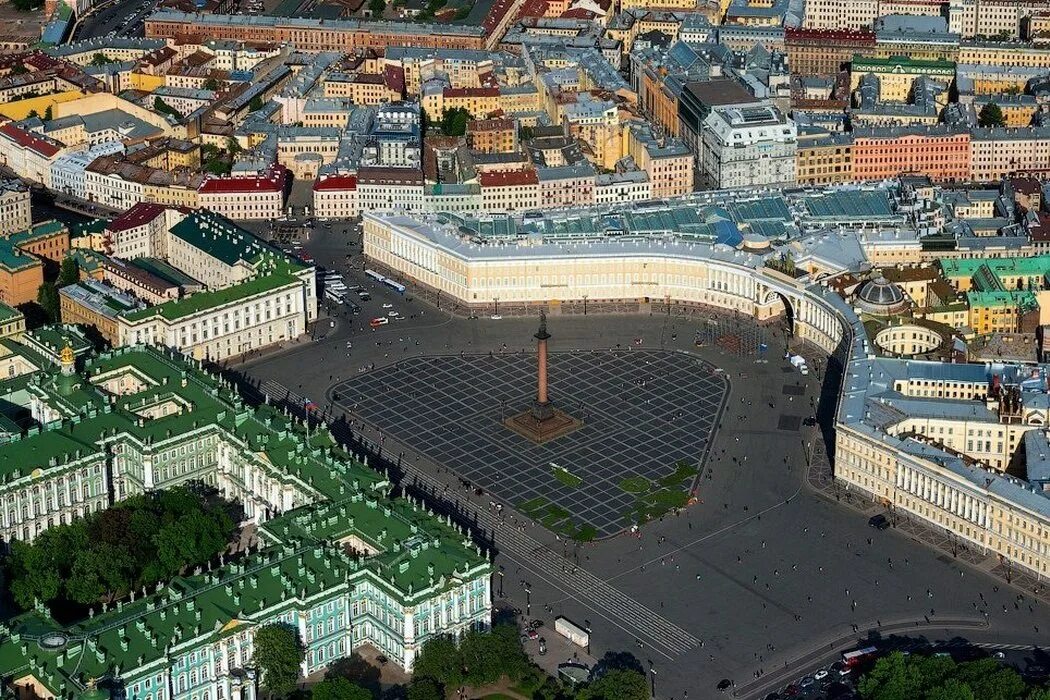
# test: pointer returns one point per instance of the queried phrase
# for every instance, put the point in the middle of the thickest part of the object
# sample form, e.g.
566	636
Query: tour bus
379	321
374	275
858	656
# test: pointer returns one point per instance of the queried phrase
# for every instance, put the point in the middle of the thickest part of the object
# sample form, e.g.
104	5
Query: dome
880	296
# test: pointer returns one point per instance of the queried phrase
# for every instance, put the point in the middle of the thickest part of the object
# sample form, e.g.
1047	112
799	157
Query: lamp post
501	572
652	676
584	304
528	598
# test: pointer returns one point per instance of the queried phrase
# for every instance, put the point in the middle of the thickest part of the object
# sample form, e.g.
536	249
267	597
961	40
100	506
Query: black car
879	522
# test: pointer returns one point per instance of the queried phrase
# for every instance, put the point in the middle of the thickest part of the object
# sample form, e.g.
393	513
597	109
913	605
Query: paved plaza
763	573
648	417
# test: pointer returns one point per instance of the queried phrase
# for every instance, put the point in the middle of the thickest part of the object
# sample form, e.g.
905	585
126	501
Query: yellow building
897	73
824	158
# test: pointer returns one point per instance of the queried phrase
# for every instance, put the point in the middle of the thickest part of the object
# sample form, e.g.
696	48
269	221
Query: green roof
8	313
222	239
168	273
201	301
1022	300
416	555
860	61
1036	266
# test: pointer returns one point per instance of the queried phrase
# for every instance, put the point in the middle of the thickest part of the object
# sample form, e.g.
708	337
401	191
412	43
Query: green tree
232	146
255	104
1038	694
278	654
376	7
424	689
440	660
163	107
33	114
454	121
47	297
211	84
617	684
100	59
25	5
69	272
49	113
481	659
340	689
991	115
33	574
919	677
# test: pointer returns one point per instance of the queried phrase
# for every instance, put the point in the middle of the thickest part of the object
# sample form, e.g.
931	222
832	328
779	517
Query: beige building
939	459
15	214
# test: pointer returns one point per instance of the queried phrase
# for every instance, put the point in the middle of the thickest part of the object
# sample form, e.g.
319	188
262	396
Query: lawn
557	519
566	477
656	498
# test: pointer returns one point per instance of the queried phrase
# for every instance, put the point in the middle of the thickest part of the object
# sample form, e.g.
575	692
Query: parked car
879	522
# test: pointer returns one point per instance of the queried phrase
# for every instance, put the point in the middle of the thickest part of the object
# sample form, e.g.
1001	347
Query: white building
67	170
15	214
748	146
633	186
256	196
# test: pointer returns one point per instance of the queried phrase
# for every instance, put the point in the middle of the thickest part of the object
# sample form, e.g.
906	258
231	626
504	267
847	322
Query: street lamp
652	675
495	303
528	598
584	304
501	572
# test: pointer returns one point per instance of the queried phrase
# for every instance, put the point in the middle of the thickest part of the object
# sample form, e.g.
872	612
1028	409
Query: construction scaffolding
736	335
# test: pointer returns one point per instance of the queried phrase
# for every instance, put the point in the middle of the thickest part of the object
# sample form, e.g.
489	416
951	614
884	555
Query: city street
761	576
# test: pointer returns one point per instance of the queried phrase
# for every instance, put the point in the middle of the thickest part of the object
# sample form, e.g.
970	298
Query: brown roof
725	91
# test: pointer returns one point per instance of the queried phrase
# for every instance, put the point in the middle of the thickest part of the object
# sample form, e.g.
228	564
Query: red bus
858	656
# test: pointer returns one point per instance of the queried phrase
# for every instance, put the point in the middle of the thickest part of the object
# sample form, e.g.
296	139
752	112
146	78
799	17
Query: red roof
578	13
471	92
496	14
272	181
533	8
395	78
40	61
336	182
139	214
508	178
857	35
26	139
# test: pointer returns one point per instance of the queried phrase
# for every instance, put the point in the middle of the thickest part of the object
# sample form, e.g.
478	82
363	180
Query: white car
393	314
388	306
497	317
821	674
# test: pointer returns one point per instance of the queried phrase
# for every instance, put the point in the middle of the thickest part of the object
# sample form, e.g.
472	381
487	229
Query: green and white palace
341	558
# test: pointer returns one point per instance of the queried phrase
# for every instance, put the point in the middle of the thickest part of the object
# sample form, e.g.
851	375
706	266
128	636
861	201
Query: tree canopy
454	121
339	689
616	684
480	658
918	677
279	655
47	298
104	556
69	272
991	115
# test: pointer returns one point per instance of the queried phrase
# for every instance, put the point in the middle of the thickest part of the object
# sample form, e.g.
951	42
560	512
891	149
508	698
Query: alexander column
541	408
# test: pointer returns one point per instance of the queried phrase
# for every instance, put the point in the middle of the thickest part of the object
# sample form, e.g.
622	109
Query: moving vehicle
379	321
388	306
858	656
